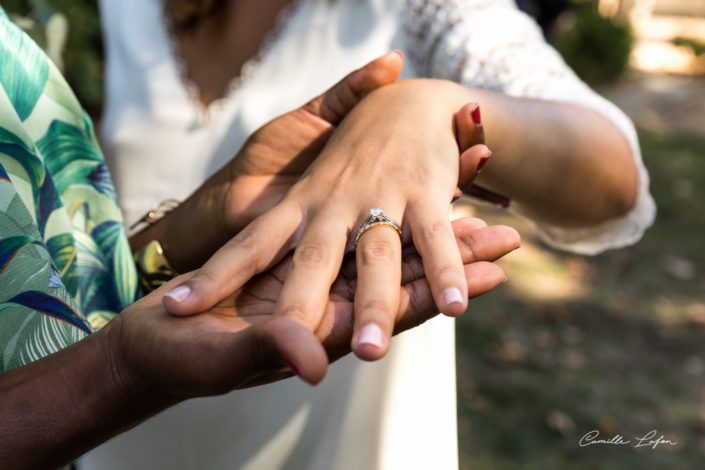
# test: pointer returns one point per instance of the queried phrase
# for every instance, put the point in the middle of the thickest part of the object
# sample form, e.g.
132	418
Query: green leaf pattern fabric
65	263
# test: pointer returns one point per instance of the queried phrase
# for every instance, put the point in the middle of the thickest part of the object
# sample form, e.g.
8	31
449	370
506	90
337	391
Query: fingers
435	242
335	103
476	242
416	302
314	267
378	256
469	134
250	252
471	162
468	125
485	244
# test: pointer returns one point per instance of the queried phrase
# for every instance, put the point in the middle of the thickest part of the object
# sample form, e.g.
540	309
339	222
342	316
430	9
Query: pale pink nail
452	295
371	334
179	294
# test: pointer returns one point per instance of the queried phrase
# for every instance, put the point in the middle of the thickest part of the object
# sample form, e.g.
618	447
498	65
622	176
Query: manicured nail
291	365
476	116
371	334
452	295
483	160
179	293
399	53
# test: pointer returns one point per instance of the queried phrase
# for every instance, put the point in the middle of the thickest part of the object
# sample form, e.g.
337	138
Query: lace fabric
458	40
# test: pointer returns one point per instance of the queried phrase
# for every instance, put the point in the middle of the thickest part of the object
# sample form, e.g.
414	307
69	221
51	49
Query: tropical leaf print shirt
65	263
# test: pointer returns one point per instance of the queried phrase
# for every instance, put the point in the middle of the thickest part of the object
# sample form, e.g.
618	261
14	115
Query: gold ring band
377	218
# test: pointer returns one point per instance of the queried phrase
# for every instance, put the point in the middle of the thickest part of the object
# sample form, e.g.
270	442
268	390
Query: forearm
559	163
57	408
194	230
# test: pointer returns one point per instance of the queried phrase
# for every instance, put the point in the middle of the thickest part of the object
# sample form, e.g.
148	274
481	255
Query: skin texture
264	171
320	211
378	156
146	360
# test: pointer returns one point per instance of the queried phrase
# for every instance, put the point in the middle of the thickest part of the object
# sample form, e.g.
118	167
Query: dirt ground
661	103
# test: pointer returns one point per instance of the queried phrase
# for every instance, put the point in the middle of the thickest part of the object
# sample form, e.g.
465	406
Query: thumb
280	341
335	103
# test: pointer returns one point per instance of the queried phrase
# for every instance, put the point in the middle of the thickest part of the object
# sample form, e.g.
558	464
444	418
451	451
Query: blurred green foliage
597	48
696	45
83	50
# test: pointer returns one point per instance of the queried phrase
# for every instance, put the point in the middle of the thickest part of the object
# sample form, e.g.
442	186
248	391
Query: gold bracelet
153	269
157	212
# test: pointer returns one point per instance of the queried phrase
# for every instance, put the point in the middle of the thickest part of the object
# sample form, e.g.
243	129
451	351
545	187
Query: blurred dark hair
183	15
544	12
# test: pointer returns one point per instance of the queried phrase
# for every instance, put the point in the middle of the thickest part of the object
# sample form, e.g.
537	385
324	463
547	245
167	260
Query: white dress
398	413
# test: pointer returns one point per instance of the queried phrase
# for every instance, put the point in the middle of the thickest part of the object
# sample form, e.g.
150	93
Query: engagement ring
377	218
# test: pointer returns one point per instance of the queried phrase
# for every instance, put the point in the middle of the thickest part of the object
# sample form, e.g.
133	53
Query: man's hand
240	342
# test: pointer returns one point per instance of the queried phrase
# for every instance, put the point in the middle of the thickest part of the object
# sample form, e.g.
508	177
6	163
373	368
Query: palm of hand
225	348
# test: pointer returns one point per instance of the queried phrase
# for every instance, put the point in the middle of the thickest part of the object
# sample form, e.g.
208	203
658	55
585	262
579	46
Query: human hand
241	342
381	136
264	169
277	154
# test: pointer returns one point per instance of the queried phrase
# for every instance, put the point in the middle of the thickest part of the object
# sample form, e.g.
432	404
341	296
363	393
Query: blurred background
570	344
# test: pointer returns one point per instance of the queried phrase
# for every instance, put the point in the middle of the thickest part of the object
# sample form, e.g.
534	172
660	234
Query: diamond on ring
377	218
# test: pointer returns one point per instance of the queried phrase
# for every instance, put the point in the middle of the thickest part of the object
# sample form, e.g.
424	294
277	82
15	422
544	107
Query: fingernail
291	365
483	160
370	334
452	295
399	53
179	293
476	116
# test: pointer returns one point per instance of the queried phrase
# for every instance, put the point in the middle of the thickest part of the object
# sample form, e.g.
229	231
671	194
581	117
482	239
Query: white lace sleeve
491	44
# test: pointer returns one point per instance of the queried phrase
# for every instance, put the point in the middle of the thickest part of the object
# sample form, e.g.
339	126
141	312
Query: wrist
190	233
128	386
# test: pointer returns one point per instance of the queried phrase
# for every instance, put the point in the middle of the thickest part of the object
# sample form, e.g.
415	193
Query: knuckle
297	312
378	306
311	255
465	245
448	270
245	240
377	251
437	230
206	277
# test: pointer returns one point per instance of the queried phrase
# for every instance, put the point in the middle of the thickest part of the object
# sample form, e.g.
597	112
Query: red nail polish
476	116
292	366
482	162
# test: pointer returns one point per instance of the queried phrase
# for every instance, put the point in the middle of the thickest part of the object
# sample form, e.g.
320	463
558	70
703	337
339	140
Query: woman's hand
266	167
242	342
396	150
